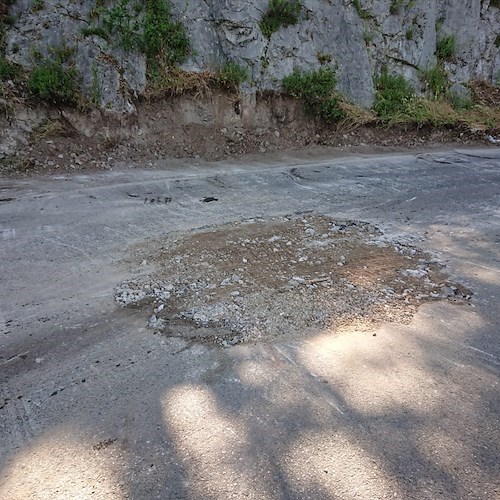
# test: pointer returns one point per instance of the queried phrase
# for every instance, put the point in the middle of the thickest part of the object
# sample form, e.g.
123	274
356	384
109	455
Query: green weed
96	31
395	6
324	58
392	95
165	41
96	87
148	28
436	80
37	5
317	89
460	103
280	13
428	112
4	10
445	48
8	70
231	75
362	13
54	83
9	20
35	54
368	37
119	21
439	23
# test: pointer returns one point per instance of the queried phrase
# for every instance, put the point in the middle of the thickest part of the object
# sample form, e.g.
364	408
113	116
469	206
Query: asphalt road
93	405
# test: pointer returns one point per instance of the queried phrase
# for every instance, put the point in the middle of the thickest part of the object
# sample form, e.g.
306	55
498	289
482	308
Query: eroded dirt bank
214	126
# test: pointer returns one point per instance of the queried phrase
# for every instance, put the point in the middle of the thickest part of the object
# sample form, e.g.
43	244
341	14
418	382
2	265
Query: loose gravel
286	277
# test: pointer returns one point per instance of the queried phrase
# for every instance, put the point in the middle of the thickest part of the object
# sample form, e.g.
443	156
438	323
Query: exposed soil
264	280
210	129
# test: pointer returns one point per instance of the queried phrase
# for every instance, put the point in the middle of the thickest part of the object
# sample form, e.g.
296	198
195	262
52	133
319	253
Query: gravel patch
285	277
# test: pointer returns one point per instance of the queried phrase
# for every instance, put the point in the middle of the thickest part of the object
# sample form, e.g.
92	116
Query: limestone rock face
356	38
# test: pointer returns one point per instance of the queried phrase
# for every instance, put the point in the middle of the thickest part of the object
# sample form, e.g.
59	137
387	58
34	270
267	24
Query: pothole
276	278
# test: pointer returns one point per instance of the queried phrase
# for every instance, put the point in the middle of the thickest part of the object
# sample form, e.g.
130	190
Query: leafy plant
393	94
231	75
280	13
445	48
318	91
460	103
148	28
8	70
165	41
96	87
54	83
122	23
436	80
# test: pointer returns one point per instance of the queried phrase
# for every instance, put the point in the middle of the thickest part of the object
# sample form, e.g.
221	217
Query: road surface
94	405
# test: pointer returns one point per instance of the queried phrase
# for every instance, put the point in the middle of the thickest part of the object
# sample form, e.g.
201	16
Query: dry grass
440	113
9	100
422	112
485	94
176	82
354	116
51	128
482	118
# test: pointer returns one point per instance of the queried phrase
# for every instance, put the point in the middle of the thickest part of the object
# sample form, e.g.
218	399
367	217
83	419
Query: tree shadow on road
412	413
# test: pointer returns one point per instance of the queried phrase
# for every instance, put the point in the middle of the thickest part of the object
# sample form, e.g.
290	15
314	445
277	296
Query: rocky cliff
356	37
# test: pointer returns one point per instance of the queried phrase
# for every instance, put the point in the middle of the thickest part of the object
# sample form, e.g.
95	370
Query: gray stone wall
331	32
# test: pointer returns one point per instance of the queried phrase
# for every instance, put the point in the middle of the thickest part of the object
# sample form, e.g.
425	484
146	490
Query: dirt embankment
209	127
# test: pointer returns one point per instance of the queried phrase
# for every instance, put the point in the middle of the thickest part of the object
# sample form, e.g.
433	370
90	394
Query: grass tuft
436	80
165	40
280	13
445	48
397	104
54	83
318	91
8	70
231	75
393	93
362	13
